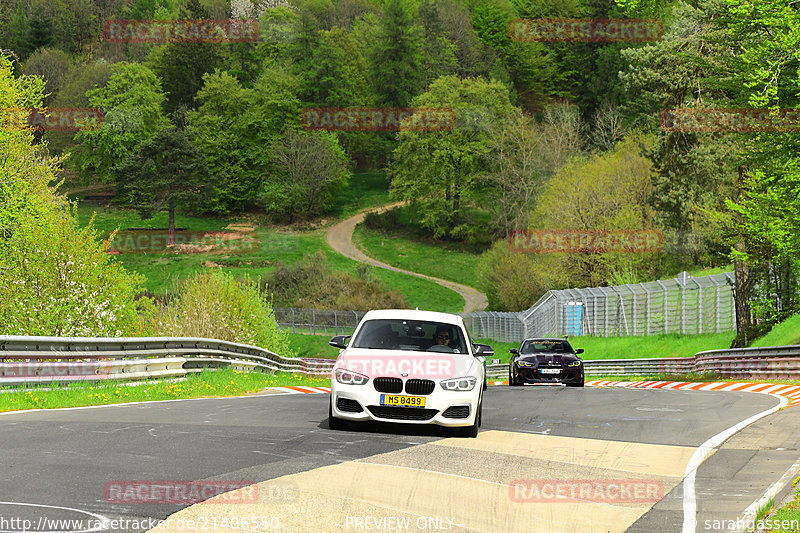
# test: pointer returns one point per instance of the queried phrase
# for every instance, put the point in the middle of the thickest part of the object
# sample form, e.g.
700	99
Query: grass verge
783	334
786	519
207	384
402	248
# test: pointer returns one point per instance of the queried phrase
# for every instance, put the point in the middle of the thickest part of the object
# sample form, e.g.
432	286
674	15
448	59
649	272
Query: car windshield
415	335
548	346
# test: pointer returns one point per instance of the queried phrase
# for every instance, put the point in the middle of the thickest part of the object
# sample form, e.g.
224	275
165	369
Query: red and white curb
303	390
790	392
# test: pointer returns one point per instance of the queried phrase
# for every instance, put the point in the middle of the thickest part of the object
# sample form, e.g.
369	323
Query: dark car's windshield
398	334
547	346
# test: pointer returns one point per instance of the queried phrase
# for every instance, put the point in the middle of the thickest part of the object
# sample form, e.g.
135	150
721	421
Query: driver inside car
441	337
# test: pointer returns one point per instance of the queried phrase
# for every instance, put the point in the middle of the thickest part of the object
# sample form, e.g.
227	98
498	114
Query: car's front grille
420	386
401	413
389	385
349	406
457	411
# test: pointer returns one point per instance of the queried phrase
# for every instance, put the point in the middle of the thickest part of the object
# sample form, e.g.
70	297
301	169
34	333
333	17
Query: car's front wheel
512	380
336	424
576	384
472	431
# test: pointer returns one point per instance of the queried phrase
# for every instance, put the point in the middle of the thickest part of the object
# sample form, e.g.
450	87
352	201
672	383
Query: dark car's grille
390	385
420	386
457	411
349	406
401	413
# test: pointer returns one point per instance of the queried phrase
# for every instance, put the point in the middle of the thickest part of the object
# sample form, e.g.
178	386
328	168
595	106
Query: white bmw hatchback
412	367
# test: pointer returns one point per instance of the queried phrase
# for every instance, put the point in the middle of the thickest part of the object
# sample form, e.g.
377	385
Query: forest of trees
549	134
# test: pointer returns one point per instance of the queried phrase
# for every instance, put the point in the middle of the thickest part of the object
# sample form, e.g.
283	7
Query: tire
512	382
578	384
336	424
471	432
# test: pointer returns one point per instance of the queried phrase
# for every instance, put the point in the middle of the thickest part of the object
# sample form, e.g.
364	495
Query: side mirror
514	351
339	341
579	351
484	349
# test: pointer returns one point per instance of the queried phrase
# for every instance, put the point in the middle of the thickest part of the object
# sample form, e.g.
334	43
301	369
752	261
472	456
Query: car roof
414	314
535	339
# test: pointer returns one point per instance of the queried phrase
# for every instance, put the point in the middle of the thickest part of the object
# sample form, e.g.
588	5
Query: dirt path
340	238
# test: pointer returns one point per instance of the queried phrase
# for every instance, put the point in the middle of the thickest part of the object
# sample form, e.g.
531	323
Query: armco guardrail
32	360
773	362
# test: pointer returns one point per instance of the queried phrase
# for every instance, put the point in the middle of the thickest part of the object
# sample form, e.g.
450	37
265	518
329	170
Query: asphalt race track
57	465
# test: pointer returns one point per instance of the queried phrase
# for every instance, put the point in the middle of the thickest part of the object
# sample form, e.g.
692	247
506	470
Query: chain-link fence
316	322
685	305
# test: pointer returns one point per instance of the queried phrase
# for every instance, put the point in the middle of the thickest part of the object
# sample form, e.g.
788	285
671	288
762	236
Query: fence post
648	308
335	322
718	307
666	306
699	307
293	330
313	322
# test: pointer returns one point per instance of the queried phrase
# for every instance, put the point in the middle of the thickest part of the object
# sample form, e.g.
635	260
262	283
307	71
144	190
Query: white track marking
750	513
101	520
689	497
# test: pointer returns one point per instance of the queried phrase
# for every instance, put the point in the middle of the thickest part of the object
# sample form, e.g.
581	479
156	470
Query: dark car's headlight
458	384
576	363
348	377
524	363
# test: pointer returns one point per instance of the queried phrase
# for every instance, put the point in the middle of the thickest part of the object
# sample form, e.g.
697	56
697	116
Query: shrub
214	305
311	284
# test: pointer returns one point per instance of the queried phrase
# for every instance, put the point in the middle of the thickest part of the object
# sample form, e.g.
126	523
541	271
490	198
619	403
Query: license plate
550	370
402	401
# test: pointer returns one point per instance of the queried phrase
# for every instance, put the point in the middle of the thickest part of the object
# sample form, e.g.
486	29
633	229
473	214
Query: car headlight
576	363
524	363
350	378
458	384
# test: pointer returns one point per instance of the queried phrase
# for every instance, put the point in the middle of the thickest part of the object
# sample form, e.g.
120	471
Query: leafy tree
606	191
440	172
397	57
310	169
16	36
52	65
166	172
132	103
525	156
337	73
182	65
56	277
235	127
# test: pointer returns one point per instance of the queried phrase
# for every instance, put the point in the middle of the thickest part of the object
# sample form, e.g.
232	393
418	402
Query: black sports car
545	361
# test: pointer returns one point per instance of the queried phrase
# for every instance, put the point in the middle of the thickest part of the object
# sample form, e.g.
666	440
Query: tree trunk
743	282
172	225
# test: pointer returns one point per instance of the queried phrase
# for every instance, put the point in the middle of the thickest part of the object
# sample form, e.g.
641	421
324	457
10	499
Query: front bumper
566	374
442	408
